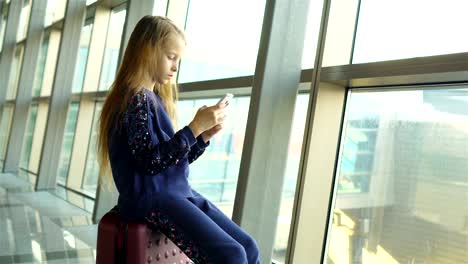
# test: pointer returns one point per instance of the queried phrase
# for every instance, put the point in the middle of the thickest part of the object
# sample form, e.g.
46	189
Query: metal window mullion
7	54
8	49
55	25
61	94
269	124
26	81
304	247
136	10
449	65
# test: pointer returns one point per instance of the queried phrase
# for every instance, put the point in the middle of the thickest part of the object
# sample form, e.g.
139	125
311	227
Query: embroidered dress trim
152	158
161	223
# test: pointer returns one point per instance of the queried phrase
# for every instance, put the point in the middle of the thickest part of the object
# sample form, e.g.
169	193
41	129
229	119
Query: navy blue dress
150	166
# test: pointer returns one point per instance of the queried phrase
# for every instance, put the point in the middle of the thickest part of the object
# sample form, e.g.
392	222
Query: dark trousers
202	231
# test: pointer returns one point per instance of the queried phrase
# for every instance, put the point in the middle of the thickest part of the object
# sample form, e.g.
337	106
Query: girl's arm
153	156
197	149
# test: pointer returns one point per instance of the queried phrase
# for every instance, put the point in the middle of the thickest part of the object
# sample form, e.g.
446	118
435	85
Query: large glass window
82	59
340	32
222	39
291	172
15	72
81	145
91	174
401	194
397	29
55	11
41	64
215	173
5	125
28	137
67	144
311	34
160	7
3	20
45	70
113	41
24	19
37	137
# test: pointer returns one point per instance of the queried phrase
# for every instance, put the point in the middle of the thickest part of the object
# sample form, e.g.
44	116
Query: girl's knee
240	254
251	244
251	249
235	254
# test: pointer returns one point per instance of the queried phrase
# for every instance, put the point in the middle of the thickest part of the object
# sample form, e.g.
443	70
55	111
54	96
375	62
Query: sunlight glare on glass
397	29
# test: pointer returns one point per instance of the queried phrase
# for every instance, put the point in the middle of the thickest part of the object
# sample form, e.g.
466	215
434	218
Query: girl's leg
194	232
228	226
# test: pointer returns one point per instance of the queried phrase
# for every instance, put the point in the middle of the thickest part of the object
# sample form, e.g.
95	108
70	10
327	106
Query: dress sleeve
197	149
153	156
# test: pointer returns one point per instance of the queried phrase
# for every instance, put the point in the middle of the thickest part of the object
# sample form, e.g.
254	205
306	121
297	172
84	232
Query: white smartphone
225	99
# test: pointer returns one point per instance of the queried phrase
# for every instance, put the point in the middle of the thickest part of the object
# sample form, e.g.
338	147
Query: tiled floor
39	227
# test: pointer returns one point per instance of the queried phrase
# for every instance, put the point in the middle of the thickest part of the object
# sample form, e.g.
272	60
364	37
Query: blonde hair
139	62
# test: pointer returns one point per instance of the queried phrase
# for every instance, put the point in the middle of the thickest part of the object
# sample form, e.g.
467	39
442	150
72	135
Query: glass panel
312	31
92	167
39	76
111	56
24	20
38	137
28	137
3	19
5	125
215	173
89	2
402	189
398	29
160	8
81	140
340	32
220	45
289	187
67	145
15	73
80	68
55	11
53	43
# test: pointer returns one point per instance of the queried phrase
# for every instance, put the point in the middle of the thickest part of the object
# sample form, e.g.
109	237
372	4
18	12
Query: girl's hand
208	134
206	118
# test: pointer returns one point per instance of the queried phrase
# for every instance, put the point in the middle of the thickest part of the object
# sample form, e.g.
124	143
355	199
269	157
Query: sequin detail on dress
151	158
161	223
197	150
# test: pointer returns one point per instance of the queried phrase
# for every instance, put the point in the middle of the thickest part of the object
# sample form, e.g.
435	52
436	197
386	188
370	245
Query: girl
150	162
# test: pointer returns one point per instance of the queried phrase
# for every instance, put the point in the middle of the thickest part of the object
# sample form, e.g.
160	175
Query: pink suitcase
133	242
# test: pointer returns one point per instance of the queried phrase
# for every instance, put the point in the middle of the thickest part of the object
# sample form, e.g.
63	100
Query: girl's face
169	60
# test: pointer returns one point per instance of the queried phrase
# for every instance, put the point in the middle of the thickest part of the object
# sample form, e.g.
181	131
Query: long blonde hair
140	61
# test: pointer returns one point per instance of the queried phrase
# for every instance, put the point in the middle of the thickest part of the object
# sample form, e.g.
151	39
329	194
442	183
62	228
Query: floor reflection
38	227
